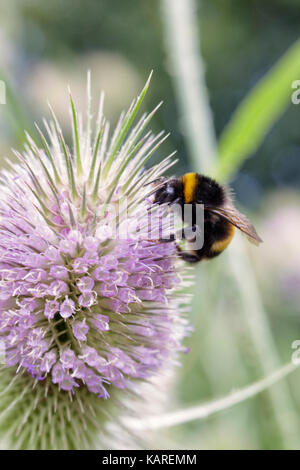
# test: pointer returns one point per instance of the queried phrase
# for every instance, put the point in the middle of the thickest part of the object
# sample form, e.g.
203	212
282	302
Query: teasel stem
203	411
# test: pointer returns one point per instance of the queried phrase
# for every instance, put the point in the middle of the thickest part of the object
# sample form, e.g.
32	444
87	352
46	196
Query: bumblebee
220	215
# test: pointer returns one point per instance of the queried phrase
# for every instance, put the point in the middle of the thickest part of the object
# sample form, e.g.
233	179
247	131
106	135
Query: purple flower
86	308
67	308
101	322
50	308
80	329
87	312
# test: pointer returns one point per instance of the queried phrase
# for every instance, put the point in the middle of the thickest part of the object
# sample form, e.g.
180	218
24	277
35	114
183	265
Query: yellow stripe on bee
189	181
220	245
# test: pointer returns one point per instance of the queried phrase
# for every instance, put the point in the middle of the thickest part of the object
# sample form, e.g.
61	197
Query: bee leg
172	238
169	204
188	256
178	200
180	235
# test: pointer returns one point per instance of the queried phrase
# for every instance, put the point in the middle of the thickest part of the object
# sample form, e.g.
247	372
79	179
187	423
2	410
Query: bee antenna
161	178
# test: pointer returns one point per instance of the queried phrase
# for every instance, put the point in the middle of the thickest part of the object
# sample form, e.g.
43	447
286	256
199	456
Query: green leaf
257	113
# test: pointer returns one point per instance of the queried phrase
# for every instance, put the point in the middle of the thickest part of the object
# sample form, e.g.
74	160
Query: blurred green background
246	310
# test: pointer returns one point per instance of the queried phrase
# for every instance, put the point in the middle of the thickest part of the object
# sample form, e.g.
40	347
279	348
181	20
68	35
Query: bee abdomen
219	245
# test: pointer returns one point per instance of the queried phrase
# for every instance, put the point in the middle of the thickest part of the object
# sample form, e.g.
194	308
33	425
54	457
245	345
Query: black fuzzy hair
209	192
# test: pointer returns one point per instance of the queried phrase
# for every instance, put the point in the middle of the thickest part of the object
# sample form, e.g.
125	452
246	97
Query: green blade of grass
257	113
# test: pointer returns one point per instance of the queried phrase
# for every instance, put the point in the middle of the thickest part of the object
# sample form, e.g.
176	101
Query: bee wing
239	220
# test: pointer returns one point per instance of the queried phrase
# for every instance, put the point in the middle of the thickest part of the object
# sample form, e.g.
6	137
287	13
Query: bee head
169	192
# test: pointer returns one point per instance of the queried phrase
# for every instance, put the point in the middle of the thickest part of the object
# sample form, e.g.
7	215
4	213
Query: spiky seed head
85	314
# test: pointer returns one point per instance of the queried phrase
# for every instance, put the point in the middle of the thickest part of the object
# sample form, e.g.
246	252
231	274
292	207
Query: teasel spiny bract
85	317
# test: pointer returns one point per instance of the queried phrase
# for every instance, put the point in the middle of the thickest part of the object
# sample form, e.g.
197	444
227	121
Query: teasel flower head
90	301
